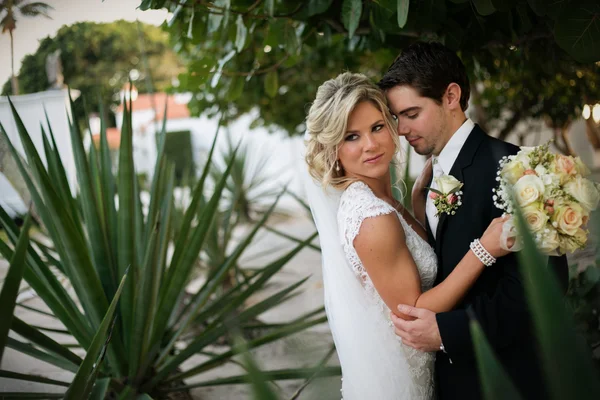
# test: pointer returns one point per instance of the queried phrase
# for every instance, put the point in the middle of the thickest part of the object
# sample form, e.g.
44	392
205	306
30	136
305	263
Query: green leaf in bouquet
434	191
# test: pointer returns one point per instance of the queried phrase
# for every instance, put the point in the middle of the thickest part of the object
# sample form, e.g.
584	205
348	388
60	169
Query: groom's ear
451	98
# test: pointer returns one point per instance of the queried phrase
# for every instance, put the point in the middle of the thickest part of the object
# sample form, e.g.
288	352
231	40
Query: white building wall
30	108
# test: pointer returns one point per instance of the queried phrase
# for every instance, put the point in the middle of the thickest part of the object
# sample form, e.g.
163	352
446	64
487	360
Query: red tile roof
175	110
113	137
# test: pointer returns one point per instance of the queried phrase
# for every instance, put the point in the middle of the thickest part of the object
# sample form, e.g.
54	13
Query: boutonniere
447	197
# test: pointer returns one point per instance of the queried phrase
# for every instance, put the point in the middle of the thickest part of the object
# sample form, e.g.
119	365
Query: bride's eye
377	128
352	137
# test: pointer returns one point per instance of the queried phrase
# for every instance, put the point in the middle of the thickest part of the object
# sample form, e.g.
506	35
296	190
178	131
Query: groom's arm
503	315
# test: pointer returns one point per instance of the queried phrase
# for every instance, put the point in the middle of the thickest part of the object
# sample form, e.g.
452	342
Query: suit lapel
464	159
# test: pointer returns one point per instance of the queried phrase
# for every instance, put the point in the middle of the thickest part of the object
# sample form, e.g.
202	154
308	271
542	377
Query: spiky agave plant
125	307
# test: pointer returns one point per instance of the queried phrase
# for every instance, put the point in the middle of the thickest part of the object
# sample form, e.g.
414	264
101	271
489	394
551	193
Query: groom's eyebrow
409	109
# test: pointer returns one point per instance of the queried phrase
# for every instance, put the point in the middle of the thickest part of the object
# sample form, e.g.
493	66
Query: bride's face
367	148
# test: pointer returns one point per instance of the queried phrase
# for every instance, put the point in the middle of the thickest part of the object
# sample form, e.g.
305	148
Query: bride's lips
373	160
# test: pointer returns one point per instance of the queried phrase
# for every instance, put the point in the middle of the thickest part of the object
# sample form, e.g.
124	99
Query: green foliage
566	363
97	59
139	332
296	45
514	80
178	150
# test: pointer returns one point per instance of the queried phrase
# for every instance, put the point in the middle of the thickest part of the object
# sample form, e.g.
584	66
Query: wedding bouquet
553	195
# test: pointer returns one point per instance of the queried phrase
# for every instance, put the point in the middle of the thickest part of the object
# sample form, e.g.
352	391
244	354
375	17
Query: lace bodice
357	203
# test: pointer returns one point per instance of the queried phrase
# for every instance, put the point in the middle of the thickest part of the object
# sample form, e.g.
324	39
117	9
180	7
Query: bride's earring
337	166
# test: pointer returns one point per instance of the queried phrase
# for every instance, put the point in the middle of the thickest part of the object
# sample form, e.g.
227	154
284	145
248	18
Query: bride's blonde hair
327	122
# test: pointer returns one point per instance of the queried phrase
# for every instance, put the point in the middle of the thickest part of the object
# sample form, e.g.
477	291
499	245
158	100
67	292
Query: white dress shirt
442	164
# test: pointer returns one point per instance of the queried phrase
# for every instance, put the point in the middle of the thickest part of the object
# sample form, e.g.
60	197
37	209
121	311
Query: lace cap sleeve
357	203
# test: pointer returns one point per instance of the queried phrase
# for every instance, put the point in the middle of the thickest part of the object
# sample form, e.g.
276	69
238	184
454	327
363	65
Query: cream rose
550	241
536	218
513	171
447	184
584	191
528	189
582	169
568	218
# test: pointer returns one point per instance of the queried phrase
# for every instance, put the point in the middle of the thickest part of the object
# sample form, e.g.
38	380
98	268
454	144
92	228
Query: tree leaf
402	9
577	31
351	12
270	7
237	88
318	6
271	83
484	7
241	33
538	6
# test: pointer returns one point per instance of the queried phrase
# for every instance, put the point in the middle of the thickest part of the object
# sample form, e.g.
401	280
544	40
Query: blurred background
177	76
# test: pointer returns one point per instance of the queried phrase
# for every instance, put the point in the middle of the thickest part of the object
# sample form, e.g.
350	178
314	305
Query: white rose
528	189
512	171
523	156
584	191
536	218
540	170
447	184
550	241
551	179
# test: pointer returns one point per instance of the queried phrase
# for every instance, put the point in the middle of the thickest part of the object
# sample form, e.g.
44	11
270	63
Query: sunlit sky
30	31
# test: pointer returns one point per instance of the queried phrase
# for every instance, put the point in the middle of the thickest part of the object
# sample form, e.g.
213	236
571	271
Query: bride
375	254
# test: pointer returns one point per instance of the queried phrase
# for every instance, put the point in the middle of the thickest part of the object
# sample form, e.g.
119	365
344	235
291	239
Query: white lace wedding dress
379	366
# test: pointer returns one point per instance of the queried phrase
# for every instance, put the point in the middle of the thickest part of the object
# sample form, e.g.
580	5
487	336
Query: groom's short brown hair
428	68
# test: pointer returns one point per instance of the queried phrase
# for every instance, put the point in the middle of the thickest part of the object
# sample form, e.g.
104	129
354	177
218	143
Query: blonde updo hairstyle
327	123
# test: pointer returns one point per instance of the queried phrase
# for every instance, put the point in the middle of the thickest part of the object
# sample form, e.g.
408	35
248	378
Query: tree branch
510	124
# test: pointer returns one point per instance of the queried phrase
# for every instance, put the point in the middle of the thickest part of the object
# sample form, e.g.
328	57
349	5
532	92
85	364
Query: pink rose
433	195
452	198
549	209
566	164
529	172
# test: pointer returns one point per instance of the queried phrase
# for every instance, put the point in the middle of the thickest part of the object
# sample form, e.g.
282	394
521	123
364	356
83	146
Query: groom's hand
422	333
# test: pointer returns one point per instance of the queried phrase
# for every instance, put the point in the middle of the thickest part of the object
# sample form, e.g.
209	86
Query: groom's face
421	120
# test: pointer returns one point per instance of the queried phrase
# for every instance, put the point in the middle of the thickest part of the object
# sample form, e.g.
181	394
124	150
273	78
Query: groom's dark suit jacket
497	299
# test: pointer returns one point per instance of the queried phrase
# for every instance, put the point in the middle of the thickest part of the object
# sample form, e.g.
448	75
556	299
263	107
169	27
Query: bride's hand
491	238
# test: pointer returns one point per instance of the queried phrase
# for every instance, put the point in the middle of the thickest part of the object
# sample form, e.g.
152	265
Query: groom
428	91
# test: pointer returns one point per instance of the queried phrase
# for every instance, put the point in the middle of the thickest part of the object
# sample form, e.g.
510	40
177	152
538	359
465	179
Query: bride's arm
381	246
